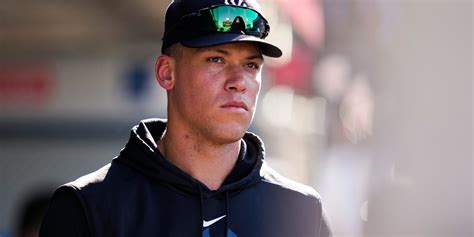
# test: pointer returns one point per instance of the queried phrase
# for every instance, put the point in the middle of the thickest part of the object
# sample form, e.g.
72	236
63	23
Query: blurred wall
421	178
413	175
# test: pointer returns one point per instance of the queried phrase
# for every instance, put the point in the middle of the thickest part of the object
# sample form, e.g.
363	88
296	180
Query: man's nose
236	80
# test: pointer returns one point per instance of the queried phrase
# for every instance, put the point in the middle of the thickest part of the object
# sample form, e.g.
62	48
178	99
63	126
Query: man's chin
231	137
231	134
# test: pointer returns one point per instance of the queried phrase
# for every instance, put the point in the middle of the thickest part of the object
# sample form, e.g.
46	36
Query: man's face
215	91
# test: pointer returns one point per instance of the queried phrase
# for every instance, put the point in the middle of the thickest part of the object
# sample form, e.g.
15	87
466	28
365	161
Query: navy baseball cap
205	23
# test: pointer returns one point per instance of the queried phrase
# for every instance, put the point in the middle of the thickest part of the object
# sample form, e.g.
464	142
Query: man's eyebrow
214	49
257	55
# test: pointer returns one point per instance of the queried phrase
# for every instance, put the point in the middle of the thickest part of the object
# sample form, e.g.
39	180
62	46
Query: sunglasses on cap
226	19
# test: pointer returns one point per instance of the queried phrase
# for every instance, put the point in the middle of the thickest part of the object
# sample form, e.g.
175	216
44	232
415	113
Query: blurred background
371	104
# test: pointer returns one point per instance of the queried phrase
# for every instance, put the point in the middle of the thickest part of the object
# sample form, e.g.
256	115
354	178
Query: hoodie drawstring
227	217
202	210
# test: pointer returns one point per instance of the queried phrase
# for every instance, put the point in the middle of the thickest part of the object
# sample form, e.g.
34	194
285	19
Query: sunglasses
226	19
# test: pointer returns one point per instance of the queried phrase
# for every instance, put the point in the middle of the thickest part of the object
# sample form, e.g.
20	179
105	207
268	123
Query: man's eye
253	66
215	60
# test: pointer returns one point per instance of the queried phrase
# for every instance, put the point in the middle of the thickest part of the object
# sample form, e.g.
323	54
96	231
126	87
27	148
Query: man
199	173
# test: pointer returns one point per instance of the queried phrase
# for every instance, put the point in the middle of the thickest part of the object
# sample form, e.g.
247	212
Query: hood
141	154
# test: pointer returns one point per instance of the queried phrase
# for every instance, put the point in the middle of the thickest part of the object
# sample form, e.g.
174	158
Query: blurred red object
26	84
297	73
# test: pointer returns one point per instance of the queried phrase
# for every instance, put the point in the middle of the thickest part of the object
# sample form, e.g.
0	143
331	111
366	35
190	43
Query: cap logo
240	3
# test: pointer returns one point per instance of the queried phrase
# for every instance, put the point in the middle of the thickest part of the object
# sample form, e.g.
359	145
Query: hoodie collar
141	154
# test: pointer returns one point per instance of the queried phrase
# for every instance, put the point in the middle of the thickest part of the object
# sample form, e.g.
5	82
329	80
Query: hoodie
140	193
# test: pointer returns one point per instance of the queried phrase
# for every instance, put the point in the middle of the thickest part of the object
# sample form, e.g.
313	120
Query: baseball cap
205	23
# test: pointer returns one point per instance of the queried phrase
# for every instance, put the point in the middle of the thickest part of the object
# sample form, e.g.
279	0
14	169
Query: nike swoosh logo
211	222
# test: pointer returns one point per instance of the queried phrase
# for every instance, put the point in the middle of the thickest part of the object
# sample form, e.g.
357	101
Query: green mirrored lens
228	18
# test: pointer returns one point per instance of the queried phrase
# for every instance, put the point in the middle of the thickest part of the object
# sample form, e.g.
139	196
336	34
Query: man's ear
164	68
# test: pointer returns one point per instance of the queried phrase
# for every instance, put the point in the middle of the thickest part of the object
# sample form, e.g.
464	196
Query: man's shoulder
94	178
284	197
105	179
278	181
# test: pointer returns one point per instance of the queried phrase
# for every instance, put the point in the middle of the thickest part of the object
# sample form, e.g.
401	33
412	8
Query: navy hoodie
140	193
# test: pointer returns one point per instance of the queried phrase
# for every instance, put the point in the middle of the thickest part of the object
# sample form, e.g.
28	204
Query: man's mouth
235	105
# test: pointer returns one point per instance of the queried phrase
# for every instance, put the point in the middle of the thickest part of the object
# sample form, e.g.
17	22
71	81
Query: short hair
175	51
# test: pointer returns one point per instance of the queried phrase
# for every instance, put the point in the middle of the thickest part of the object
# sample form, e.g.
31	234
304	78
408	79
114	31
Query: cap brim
268	49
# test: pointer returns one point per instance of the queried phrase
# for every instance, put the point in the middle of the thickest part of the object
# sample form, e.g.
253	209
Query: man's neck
203	160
